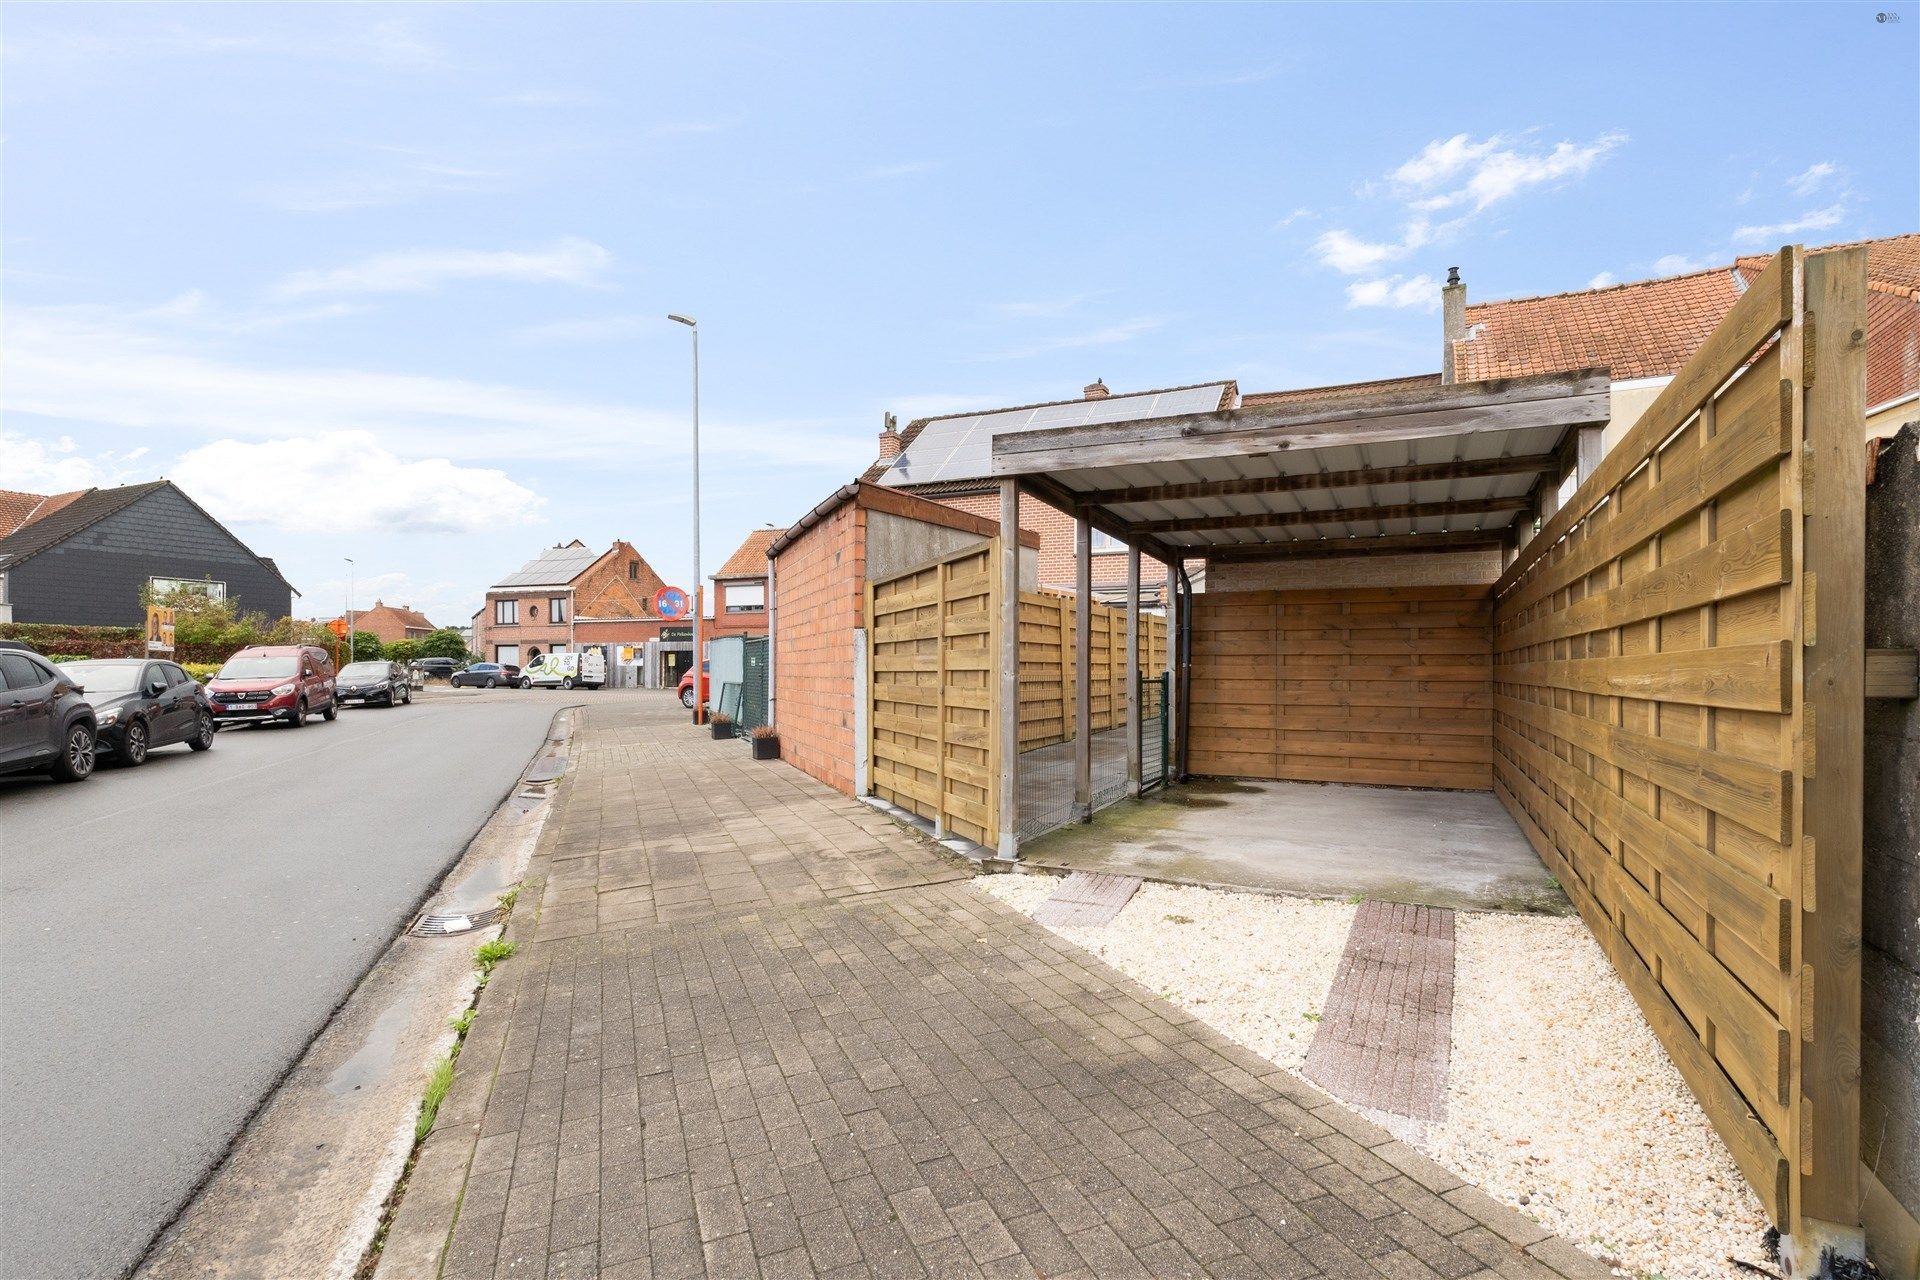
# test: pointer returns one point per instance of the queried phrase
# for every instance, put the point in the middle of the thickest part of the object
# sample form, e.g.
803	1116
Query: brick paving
1387	1028
781	1064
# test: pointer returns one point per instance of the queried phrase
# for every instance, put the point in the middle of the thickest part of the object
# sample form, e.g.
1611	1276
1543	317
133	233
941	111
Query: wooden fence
1677	724
1047	669
932	662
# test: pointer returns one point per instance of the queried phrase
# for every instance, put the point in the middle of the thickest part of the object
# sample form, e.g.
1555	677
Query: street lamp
699	668
349	560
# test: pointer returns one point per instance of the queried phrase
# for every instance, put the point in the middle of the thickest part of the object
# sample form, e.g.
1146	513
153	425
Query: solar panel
553	568
961	448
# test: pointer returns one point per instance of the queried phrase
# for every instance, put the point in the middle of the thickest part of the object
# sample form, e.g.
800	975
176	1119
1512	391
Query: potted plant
766	742
722	725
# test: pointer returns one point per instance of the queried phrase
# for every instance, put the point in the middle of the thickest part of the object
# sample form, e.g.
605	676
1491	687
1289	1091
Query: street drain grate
442	924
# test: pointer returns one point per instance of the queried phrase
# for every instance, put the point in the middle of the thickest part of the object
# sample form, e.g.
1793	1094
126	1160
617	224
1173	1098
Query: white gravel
1253	967
1561	1103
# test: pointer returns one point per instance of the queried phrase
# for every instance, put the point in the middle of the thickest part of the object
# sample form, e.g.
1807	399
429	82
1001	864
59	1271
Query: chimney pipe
1097	390
1453	321
890	438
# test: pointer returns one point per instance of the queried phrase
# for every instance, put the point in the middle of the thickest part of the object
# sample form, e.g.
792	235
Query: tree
404	651
444	643
364	647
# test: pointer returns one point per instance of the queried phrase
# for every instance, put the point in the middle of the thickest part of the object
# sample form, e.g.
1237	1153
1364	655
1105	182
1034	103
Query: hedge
108	642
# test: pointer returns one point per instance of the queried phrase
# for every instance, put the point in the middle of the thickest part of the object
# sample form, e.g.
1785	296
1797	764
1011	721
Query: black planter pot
720	730
766	748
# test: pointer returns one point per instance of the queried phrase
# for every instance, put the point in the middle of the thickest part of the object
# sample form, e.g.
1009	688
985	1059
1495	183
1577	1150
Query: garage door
1385	685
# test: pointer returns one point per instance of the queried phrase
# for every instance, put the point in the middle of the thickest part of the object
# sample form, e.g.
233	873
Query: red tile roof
750	561
1651	327
1340	391
18	509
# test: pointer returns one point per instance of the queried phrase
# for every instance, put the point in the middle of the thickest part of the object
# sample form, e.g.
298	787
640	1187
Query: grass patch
437	1085
463	1022
1179	919
490	955
507	899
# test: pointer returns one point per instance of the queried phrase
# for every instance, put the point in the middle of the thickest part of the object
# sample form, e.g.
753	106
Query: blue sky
390	282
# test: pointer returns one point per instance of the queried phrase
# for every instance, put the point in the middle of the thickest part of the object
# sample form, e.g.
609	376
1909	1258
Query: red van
274	683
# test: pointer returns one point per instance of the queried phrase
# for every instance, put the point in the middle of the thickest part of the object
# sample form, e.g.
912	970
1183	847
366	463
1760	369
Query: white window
1105	543
746	597
507	654
203	586
557	608
506	613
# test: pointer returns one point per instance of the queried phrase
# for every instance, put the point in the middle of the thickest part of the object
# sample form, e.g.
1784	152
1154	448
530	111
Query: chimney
1453	320
1097	390
890	439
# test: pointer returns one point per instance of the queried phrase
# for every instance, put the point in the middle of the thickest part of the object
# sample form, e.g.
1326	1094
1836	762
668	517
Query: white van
588	669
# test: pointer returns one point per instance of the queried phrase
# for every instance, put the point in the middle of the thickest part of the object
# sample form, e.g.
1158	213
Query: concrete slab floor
1436	848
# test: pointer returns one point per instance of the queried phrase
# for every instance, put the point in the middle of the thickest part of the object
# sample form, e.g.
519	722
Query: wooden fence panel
1047	643
1669	654
931	722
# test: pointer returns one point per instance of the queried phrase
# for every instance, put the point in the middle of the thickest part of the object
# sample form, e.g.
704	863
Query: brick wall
618	588
821	579
749	622
1055	530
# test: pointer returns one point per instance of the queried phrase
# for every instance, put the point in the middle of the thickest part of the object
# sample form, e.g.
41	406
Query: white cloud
61	466
348	482
571	260
1462	172
1773	233
1349	254
1602	280
1292	218
1421	291
1675	264
1812	179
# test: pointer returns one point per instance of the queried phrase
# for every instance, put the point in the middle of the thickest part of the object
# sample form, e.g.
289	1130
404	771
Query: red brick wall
1055	529
821	581
753	622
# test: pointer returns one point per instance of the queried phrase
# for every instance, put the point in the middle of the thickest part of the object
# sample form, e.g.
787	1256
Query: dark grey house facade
89	561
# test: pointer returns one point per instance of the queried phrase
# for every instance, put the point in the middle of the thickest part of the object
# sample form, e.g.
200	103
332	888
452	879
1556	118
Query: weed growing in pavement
507	899
1179	919
1311	1016
1354	899
437	1085
491	954
463	1022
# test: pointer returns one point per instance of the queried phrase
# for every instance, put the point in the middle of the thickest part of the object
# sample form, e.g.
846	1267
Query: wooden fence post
1007	705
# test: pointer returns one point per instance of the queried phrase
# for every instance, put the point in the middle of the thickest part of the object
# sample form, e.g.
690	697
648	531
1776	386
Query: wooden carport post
1007	708
1082	667
1133	670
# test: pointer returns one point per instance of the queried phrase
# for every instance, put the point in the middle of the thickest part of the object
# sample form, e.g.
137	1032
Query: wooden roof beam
1548	400
1463	540
1416	473
1334	515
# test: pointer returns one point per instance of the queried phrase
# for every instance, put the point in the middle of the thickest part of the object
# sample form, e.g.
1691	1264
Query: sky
390	282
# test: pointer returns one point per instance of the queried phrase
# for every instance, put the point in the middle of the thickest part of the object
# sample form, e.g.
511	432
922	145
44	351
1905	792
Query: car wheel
686	698
133	744
332	712
203	729
76	755
406	697
492	683
566	682
526	682
299	720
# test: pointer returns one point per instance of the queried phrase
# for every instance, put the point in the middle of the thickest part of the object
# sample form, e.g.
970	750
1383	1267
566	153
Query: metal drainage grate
443	924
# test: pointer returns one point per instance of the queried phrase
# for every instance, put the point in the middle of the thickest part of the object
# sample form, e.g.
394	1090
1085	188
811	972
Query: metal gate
753	684
1153	730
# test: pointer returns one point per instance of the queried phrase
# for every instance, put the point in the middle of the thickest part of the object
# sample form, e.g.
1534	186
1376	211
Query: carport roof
1411	465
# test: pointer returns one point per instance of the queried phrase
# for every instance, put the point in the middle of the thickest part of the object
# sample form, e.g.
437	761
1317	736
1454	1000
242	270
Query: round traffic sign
670	602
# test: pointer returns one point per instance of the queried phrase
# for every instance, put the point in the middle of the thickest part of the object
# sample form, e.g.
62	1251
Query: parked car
436	668
373	682
588	668
142	703
491	675
686	687
45	722
266	684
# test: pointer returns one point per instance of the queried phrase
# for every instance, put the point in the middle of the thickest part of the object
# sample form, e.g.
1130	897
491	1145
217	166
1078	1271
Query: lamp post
349	560
699	668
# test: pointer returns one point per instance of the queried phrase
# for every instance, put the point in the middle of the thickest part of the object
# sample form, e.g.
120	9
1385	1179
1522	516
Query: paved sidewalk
761	1030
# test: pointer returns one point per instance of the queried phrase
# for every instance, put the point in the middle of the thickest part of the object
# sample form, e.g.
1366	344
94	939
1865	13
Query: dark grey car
373	683
45	723
141	704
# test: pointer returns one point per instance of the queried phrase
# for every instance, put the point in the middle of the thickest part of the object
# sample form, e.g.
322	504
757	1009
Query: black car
368	683
142	703
45	723
435	668
491	675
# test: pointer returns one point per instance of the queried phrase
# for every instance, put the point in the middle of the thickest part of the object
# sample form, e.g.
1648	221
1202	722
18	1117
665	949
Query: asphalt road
172	937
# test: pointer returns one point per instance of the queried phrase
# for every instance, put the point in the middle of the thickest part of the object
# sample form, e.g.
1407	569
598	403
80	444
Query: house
88	557
391	623
566	597
946	459
740	589
1644	331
